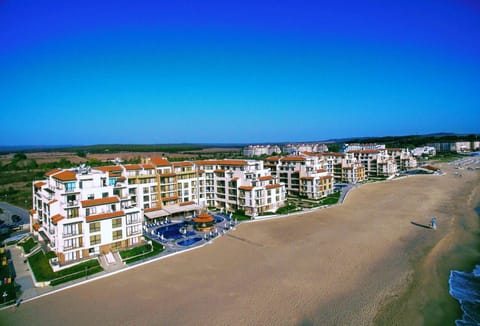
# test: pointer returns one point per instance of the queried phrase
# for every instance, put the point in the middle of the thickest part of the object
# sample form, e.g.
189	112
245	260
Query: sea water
465	287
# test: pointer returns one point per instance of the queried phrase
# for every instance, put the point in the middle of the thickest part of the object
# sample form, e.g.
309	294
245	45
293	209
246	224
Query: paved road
9	210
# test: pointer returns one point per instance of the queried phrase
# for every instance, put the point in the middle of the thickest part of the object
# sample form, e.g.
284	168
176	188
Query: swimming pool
170	231
188	242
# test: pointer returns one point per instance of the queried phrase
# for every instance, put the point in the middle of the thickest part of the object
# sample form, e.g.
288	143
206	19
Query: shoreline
425	298
341	265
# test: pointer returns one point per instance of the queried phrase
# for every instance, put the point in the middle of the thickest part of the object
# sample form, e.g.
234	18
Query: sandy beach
359	263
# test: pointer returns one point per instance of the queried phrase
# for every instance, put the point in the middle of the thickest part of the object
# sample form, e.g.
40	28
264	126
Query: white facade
76	213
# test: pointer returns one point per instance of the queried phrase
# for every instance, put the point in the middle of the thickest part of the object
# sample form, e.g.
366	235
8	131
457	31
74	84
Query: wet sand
336	266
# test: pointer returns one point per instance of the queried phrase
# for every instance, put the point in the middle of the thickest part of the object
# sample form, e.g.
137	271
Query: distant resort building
258	150
291	149
425	150
361	147
345	167
458	146
303	175
83	212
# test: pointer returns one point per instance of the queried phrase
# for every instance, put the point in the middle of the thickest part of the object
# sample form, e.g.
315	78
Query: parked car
16	218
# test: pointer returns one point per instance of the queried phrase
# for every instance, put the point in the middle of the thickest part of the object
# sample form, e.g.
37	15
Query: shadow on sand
421	225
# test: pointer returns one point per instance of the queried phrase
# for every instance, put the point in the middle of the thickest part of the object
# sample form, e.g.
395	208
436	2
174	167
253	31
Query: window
70	229
117	234
70	186
91	196
90	211
117	222
95	239
94	227
116	245
133	218
105	195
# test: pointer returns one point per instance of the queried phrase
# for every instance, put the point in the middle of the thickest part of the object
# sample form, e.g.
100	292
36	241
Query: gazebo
204	222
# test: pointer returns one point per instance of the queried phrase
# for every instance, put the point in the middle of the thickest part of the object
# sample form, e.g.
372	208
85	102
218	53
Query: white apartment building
425	150
291	149
404	159
244	185
78	215
377	163
303	175
258	150
360	147
345	167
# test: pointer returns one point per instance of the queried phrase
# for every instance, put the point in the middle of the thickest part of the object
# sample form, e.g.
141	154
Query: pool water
189	241
171	231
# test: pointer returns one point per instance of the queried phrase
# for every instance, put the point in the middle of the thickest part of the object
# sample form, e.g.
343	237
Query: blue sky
91	72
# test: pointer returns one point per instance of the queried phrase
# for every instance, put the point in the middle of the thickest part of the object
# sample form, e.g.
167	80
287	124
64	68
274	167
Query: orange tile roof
158	161
97	217
247	188
273	158
265	178
99	201
321	170
170	198
49	173
66	176
293	158
275	185
186	203
32	212
179	164
219	171
36	226
234	179
152	209
307	178
52	201
56	218
109	168
222	162
167	175
326	177
39	184
130	167
148	166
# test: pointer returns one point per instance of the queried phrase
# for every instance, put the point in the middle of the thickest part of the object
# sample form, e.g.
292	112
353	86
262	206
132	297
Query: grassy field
43	271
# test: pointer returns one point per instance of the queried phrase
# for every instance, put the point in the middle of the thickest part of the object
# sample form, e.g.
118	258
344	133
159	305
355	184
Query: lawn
136	251
43	271
27	245
157	249
331	199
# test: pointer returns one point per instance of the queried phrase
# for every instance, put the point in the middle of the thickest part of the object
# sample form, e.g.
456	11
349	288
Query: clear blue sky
90	72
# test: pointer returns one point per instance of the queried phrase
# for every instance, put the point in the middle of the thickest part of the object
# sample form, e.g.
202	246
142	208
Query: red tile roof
109	168
56	218
222	162
32	212
180	164
130	167
265	178
247	188
158	161
52	201
152	209
186	203
65	176
293	158
39	184
99	201
275	185
36	226
170	198
104	216
167	175
49	173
